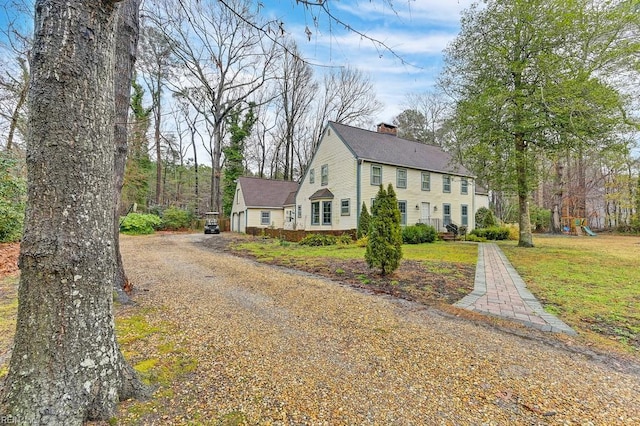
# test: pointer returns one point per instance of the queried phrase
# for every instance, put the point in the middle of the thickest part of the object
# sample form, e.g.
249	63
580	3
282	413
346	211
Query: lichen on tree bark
66	366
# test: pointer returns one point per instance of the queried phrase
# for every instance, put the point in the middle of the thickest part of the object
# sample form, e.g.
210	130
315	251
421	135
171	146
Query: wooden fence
294	236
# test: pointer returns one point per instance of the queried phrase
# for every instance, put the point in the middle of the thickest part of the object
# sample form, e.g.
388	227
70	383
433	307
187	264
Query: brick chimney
388	129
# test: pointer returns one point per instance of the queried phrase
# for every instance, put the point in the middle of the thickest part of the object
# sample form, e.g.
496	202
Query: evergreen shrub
140	224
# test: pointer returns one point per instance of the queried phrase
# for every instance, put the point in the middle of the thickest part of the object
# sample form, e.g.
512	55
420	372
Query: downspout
473	207
358	191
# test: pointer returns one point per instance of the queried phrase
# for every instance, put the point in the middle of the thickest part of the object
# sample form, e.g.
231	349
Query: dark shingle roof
266	192
323	193
389	149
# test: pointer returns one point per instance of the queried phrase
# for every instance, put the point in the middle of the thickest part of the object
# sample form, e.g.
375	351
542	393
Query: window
324	175
326	212
238	196
265	218
402	206
376	175
312	176
464	186
446	183
426	181
446	214
344	207
299	212
464	219
401	178
315	213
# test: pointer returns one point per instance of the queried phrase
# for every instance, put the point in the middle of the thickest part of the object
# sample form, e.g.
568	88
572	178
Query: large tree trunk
558	195
525	238
125	57
66	365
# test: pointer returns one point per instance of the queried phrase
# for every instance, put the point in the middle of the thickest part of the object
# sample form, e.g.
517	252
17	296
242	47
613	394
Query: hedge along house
260	203
349	165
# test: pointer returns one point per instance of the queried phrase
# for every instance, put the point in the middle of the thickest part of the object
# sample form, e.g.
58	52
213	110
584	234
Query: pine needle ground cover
592	283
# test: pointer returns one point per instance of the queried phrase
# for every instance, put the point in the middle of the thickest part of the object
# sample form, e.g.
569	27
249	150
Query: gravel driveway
279	347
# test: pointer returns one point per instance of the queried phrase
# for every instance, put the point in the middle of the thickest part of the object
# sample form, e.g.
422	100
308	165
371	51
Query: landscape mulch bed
411	281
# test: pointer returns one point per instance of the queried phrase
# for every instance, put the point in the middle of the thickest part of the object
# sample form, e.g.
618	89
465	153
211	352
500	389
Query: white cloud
406	12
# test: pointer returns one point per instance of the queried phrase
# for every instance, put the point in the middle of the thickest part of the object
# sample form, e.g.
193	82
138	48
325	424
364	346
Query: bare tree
347	97
225	59
155	67
296	89
14	71
433	107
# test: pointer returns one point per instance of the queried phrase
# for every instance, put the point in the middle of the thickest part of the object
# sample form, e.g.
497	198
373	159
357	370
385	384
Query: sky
416	30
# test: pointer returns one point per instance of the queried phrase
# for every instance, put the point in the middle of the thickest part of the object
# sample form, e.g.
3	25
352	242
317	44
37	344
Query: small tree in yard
364	222
384	248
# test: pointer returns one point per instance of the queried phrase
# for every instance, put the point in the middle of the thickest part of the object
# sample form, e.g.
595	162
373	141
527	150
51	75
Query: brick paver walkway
499	290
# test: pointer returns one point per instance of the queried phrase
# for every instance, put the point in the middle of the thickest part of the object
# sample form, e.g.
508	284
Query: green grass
592	283
269	250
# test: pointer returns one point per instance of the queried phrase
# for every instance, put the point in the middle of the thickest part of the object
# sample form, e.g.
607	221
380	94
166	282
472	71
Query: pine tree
364	222
384	248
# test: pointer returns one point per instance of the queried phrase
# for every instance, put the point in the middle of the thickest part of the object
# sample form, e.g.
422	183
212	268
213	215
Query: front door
425	216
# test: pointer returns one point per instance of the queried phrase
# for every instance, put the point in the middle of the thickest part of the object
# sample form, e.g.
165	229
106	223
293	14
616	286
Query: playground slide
589	231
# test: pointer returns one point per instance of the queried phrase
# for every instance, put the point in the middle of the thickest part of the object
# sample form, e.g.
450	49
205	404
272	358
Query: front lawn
591	283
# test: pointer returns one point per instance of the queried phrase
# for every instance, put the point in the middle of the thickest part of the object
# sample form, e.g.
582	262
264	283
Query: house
261	203
348	167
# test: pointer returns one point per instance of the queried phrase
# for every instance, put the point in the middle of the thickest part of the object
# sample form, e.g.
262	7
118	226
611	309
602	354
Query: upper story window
426	181
464	186
446	183
401	178
324	175
312	176
376	175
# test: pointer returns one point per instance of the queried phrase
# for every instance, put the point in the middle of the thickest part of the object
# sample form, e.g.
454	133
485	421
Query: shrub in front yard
364	222
316	240
384	249
492	233
174	218
419	234
140	224
485	218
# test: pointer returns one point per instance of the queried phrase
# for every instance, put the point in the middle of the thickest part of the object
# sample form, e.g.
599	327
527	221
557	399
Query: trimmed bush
139	224
485	218
317	240
492	233
364	222
174	219
384	249
475	239
419	234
